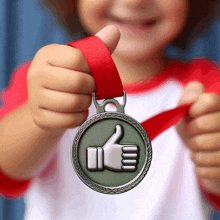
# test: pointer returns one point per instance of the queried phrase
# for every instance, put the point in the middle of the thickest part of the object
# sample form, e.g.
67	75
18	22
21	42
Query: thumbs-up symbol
113	156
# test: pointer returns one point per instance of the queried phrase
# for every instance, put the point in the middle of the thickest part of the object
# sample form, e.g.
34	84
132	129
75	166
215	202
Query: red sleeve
210	76
12	97
211	80
212	199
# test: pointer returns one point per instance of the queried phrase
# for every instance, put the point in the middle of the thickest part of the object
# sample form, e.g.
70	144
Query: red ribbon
107	79
161	122
109	85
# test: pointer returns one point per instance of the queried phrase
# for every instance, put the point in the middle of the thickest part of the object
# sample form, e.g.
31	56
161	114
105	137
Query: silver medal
111	151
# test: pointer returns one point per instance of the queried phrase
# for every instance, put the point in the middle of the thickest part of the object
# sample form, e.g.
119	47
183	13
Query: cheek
173	7
91	14
175	14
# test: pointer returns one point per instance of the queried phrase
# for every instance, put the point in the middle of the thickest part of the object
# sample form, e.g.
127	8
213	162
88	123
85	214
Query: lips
136	22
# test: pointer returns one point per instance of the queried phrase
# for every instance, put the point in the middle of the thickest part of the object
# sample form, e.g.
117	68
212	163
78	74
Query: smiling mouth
136	23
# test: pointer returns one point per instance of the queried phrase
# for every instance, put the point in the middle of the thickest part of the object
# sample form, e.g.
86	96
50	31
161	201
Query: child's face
146	26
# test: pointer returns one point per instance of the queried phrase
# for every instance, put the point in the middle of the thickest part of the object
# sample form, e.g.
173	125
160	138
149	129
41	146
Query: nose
135	3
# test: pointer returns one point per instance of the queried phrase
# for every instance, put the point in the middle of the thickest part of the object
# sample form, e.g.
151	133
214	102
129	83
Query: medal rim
94	185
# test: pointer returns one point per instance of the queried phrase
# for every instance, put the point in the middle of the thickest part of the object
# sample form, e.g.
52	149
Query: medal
111	151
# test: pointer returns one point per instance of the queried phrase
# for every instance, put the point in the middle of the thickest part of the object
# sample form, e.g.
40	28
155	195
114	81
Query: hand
60	84
200	131
114	156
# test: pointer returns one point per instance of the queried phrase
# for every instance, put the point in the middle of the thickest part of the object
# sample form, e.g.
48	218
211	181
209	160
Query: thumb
110	35
191	93
115	137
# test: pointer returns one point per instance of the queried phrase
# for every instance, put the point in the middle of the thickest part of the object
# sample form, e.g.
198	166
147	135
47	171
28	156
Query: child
39	120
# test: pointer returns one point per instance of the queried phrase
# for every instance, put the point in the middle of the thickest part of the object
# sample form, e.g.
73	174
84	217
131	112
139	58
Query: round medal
111	151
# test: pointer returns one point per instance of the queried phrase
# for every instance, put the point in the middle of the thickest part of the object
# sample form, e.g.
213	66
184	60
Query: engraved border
92	184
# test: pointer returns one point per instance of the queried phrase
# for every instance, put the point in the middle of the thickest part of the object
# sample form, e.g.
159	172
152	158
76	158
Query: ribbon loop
102	66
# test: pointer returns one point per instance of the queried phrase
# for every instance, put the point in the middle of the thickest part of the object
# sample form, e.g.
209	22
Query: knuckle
217	158
75	102
205	123
31	73
45	49
41	123
89	101
29	76
200	158
81	102
217	140
77	119
48	120
210	99
199	125
195	143
196	158
51	47
79	82
206	158
204	172
76	56
79	61
45	52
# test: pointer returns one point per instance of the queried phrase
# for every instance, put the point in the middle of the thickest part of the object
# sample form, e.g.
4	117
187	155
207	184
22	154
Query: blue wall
25	27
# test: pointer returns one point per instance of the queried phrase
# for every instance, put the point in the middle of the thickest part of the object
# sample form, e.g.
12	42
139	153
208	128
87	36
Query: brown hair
200	15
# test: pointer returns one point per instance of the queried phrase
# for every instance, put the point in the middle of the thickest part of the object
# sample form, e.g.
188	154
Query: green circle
96	135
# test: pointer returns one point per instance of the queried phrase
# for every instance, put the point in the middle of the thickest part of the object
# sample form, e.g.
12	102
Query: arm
24	147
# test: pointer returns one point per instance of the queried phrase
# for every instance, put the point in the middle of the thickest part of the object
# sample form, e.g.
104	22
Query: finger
129	162
191	92
64	102
129	168
208	172
205	142
206	103
204	124
54	120
110	35
63	56
129	156
129	148
206	158
116	136
64	80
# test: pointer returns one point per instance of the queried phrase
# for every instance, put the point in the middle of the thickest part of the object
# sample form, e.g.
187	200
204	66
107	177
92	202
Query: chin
134	51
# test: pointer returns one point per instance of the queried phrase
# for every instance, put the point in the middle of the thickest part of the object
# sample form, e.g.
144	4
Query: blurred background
26	26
